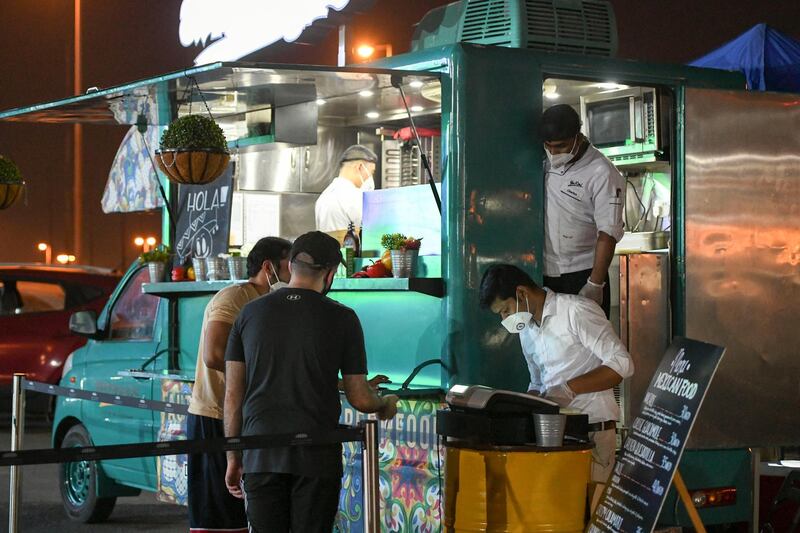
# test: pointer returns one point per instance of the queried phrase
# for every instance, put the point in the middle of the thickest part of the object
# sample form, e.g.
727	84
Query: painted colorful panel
411	473
172	473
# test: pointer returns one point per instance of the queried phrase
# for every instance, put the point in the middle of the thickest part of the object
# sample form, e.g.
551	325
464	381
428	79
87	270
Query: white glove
593	291
560	394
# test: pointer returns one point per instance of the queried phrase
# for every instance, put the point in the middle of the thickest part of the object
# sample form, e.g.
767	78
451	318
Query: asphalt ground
41	508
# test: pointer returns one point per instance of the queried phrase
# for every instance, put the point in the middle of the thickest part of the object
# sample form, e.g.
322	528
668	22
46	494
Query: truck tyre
78	483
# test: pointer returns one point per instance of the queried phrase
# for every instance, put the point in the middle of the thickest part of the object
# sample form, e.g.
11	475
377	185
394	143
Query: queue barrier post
17	433
372	509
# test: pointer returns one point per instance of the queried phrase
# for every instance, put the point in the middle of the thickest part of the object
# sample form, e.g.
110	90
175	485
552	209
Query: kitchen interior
291	127
633	127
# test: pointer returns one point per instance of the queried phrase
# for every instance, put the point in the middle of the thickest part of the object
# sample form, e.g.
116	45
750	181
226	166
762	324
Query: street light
151	241
48	251
366	51
65	258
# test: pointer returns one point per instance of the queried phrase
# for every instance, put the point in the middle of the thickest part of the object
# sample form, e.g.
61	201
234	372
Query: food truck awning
232	90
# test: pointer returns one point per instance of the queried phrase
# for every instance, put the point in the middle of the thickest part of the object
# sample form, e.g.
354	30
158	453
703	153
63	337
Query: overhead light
365	93
220	88
373	114
320	101
610	85
417	108
416	84
550	91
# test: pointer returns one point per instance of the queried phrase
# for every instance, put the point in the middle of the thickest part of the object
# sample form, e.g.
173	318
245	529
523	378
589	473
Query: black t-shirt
294	343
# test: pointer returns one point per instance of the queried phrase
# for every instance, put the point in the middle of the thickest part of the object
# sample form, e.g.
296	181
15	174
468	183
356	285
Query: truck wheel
78	483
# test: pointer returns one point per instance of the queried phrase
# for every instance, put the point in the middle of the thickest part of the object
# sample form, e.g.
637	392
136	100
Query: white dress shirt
574	338
581	199
339	204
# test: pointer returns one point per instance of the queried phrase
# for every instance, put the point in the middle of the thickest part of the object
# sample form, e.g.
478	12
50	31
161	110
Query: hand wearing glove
560	394
593	291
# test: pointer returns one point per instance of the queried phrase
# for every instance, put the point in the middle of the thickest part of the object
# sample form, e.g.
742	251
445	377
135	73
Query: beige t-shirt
208	393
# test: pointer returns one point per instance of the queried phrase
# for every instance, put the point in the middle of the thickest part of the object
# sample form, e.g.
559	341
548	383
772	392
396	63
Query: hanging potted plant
156	261
404	253
193	150
11	182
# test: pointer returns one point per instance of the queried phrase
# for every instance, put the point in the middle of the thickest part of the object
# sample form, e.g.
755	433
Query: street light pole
77	143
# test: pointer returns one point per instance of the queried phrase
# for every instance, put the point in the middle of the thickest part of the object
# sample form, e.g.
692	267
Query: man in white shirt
574	357
340	204
584	199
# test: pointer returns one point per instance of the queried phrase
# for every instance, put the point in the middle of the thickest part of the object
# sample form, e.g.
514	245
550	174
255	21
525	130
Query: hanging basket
9	192
192	167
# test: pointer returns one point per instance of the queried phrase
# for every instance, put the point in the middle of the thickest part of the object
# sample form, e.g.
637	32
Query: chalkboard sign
204	218
633	497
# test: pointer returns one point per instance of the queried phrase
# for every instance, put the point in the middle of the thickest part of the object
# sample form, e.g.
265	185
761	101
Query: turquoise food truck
710	252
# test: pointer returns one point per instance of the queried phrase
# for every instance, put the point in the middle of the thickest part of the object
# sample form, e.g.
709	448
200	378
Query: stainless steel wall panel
297	214
274	169
742	223
647	324
320	163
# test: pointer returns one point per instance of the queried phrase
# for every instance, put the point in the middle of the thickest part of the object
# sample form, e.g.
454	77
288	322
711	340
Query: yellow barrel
516	489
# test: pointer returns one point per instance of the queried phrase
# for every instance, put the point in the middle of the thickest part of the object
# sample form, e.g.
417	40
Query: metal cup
200	268
549	430
217	268
157	271
404	263
237	267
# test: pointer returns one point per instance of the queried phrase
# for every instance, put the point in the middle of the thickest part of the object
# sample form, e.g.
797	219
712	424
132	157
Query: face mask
277	285
366	184
559	160
327	288
518	321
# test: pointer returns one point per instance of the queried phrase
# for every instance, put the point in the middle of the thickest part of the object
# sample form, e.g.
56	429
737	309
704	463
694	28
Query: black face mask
327	289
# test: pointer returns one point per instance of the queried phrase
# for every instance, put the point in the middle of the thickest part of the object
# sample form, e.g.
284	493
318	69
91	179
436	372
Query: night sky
125	40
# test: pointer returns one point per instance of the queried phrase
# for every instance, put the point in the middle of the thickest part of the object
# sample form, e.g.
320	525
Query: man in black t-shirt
282	364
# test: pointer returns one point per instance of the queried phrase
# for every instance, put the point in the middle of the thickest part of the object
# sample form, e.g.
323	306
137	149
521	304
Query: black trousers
279	503
573	282
211	506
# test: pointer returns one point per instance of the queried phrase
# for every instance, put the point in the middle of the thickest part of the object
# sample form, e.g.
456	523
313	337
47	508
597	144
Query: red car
36	301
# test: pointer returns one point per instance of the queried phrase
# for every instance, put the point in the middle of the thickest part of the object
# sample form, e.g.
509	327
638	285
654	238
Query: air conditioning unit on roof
585	27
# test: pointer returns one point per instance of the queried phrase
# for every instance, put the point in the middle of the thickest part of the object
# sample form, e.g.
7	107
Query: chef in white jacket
584	199
341	202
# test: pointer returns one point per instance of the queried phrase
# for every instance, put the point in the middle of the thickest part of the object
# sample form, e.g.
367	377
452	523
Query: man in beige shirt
211	507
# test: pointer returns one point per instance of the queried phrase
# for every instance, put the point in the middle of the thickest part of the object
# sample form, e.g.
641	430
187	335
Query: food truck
710	252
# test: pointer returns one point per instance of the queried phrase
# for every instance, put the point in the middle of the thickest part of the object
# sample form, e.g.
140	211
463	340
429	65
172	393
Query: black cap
323	249
358	152
560	122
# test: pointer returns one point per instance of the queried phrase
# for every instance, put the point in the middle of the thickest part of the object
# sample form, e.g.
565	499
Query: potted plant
193	150
156	261
404	253
11	182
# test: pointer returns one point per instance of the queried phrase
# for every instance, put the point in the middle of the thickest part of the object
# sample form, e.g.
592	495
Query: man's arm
603	254
234	392
600	379
365	399
216	339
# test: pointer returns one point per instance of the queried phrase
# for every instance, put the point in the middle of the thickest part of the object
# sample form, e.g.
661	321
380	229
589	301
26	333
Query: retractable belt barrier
365	433
104	397
151	449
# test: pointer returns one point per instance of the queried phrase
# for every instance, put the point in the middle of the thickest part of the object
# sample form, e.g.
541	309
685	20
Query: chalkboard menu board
204	218
633	497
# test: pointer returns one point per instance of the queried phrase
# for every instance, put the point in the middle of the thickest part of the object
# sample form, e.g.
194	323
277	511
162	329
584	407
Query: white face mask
518	321
559	160
366	184
277	285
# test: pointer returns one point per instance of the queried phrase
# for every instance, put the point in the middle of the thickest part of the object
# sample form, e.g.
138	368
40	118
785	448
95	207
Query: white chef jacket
339	204
581	199
574	338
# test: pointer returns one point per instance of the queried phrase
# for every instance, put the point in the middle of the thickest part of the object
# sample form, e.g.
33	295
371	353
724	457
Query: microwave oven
628	125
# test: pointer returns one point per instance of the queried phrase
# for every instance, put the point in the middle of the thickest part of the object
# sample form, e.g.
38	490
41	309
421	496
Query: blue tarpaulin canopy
769	59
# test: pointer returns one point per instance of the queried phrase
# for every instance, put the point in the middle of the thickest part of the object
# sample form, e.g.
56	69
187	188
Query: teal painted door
133	334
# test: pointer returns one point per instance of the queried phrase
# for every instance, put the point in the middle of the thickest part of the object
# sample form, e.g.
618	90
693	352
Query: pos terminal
491	416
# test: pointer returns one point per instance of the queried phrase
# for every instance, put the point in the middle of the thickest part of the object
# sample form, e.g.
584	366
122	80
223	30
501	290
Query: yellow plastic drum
516	489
